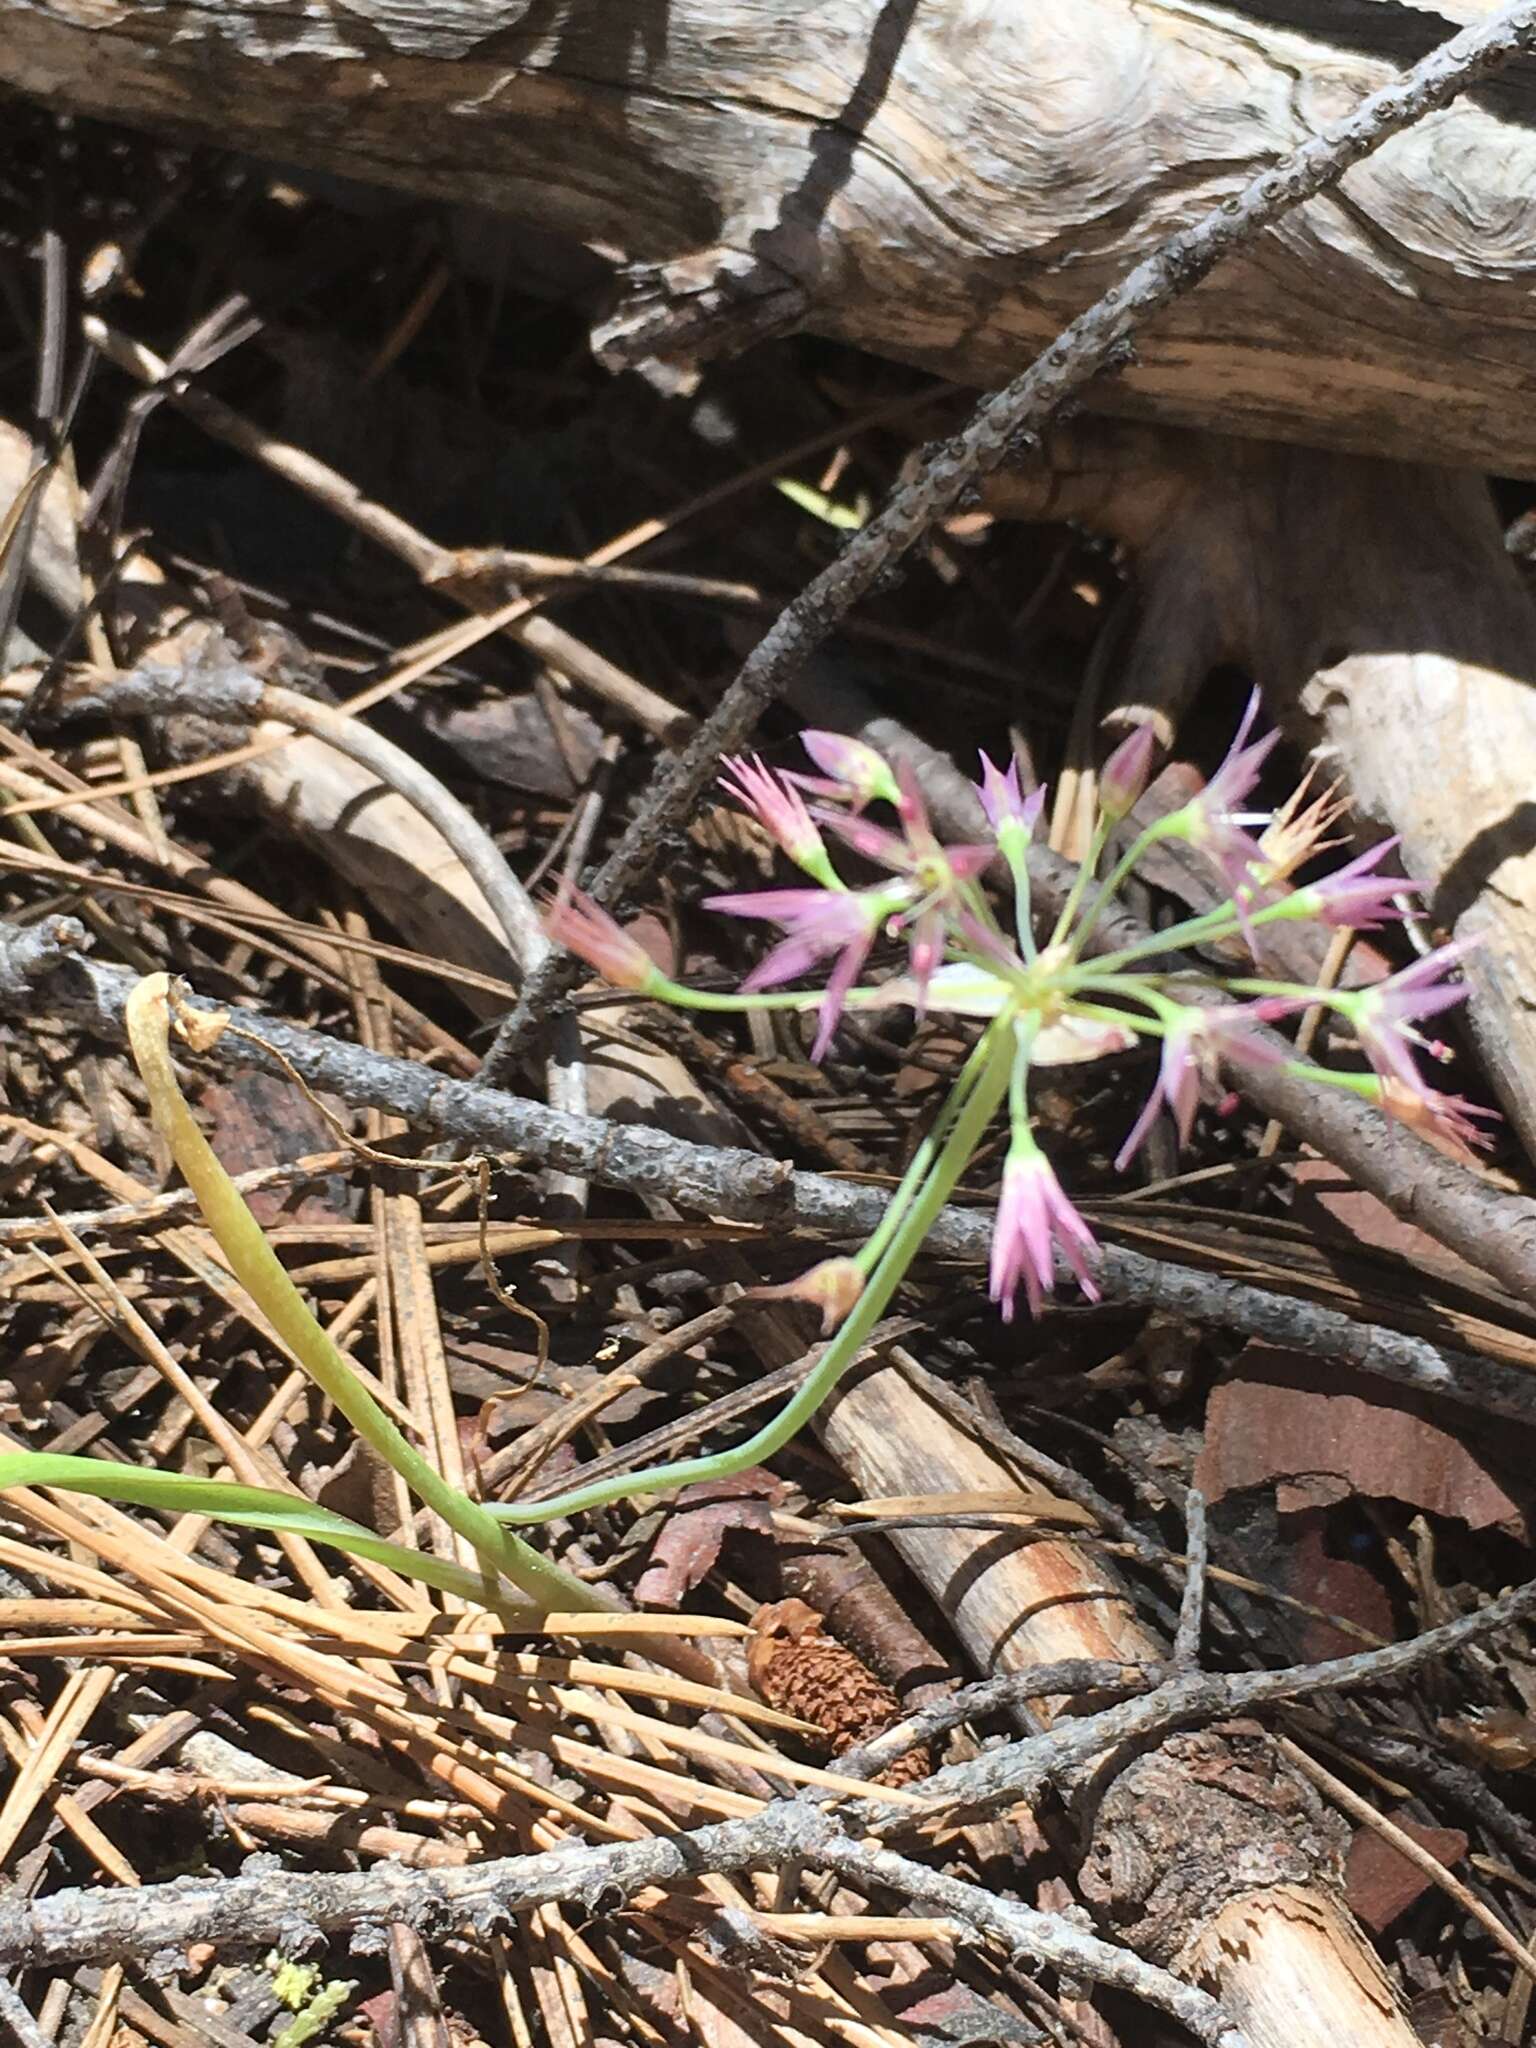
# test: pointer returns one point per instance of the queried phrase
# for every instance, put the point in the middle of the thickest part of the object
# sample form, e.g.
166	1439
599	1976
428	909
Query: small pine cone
799	1669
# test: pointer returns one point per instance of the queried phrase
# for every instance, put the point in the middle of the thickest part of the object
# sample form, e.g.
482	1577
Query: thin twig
1186	1641
1034	1937
1098	340
17	2016
551	643
47	403
213	683
1068	1678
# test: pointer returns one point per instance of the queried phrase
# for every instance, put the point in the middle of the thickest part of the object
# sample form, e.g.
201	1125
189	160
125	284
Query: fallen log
944	185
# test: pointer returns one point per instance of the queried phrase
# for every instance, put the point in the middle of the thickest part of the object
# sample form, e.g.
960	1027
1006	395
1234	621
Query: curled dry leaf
690	1538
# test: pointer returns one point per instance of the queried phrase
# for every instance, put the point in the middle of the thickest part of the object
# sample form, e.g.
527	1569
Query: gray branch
743	1186
1034	1937
265	1906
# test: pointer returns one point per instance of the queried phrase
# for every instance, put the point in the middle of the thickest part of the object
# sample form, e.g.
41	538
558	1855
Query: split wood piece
1245	1898
948	188
1378	608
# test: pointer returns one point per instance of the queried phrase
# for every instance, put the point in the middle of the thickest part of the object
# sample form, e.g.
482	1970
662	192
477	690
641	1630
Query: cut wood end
1291	1969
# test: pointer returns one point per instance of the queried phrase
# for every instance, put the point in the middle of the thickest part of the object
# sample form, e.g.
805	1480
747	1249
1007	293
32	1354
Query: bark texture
944	184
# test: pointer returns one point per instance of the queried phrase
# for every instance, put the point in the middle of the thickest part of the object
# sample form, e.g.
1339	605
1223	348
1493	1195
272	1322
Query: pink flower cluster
1060	999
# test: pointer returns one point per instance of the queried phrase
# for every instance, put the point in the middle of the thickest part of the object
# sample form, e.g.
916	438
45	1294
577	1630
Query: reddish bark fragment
1381	1882
1322	1434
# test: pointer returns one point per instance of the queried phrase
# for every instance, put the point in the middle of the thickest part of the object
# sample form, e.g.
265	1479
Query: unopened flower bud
574	921
855	772
831	1287
1125	774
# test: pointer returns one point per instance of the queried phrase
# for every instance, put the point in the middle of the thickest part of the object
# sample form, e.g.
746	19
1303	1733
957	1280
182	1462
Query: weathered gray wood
947	184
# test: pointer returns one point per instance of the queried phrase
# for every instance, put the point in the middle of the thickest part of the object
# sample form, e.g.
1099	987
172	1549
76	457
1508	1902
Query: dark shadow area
1467	876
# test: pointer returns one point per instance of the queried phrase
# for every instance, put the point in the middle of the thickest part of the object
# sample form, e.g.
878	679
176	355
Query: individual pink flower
1240	766
1299	830
1033	1217
778	807
914	851
1124	775
584	928
832	1288
1383	1016
1356	897
1004	801
1191	1050
851	772
1214	820
932	873
817	924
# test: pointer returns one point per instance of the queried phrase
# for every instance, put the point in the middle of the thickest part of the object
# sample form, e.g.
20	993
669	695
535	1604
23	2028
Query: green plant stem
1163	1011
250	1507
1080	881
994	1057
1344	1000
1367	1086
730	1004
873	1249
259	1270
1222	923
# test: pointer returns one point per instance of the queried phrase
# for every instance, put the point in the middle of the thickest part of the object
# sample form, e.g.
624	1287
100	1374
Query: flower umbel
1047	1001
